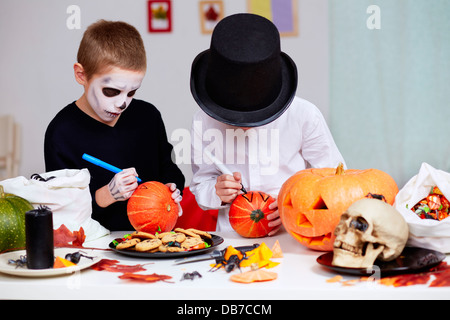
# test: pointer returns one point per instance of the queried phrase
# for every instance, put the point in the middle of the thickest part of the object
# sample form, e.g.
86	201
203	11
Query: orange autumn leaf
276	250
271	264
259	255
230	251
254	276
62	263
335	279
146	277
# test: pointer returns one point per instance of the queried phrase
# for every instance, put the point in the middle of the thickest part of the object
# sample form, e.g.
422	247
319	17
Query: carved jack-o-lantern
311	201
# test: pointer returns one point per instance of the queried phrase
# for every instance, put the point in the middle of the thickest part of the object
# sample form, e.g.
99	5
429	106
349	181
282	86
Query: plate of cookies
173	244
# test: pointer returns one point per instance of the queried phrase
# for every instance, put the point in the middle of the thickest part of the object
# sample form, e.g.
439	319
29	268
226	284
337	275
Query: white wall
38	51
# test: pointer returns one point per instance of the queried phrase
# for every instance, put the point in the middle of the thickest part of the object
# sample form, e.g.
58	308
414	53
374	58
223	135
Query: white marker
222	168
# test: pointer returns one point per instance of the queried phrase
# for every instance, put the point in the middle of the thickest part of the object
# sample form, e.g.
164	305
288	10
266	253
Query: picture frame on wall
211	12
159	15
283	13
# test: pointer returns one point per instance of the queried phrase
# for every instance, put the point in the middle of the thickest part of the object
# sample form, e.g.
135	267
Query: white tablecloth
299	277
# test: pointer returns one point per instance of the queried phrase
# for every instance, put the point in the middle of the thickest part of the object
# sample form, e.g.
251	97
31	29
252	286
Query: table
299	277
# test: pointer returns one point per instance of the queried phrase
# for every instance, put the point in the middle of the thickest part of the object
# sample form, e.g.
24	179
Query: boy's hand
176	196
274	217
123	184
228	187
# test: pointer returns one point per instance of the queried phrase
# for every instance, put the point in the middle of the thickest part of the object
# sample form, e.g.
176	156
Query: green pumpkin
12	220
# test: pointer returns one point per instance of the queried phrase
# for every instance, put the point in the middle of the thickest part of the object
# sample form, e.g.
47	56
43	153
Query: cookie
163	234
148	244
201	233
187	232
166	248
174	249
191	242
127	244
142	235
172	237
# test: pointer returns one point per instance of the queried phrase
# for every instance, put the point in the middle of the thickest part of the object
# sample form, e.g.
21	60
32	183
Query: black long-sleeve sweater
137	140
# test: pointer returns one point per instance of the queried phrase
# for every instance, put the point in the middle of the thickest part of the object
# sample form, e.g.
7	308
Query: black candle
39	238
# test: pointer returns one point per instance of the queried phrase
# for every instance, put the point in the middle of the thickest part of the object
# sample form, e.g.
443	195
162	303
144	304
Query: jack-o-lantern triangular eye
319	204
288	201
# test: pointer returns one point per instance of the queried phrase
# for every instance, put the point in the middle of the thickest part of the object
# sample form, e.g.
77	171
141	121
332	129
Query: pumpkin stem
340	169
257	215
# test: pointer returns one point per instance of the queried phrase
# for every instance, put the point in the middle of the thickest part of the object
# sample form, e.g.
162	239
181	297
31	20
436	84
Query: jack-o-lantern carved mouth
326	238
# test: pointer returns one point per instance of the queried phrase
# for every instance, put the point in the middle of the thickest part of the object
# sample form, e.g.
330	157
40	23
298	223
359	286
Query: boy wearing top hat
245	86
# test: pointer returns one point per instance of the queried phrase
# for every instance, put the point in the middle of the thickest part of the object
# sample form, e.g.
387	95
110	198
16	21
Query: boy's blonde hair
111	44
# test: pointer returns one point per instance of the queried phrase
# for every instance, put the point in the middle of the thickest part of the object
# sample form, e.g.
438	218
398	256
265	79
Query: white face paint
109	94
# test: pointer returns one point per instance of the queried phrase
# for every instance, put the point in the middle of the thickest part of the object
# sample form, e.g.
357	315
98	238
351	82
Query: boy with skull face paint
109	124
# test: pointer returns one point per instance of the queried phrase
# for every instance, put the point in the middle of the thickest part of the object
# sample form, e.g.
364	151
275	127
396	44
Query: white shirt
266	156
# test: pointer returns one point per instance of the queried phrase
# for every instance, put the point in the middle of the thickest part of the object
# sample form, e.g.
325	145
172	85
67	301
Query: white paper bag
67	195
425	233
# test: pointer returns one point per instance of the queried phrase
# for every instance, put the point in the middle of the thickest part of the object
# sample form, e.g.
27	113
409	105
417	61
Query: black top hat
244	79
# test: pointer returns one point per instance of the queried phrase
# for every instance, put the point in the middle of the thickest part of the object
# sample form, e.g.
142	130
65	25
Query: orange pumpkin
151	208
248	214
311	202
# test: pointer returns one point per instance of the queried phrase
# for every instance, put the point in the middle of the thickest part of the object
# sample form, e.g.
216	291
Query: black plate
412	260
214	242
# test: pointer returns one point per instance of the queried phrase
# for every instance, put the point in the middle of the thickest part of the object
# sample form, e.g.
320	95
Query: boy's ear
80	75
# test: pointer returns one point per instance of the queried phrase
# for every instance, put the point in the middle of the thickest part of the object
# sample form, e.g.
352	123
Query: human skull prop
370	229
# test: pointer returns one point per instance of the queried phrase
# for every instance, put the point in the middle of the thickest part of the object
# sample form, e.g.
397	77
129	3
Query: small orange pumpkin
311	202
248	214
151	208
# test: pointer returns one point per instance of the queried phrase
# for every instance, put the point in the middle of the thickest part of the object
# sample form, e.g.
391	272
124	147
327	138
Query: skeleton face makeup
109	94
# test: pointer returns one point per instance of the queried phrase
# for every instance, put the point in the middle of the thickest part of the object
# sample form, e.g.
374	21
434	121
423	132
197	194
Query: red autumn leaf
440	272
113	266
146	277
442	280
63	236
104	264
79	238
411	279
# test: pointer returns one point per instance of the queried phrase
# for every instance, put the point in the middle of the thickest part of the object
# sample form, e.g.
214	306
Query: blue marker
103	164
